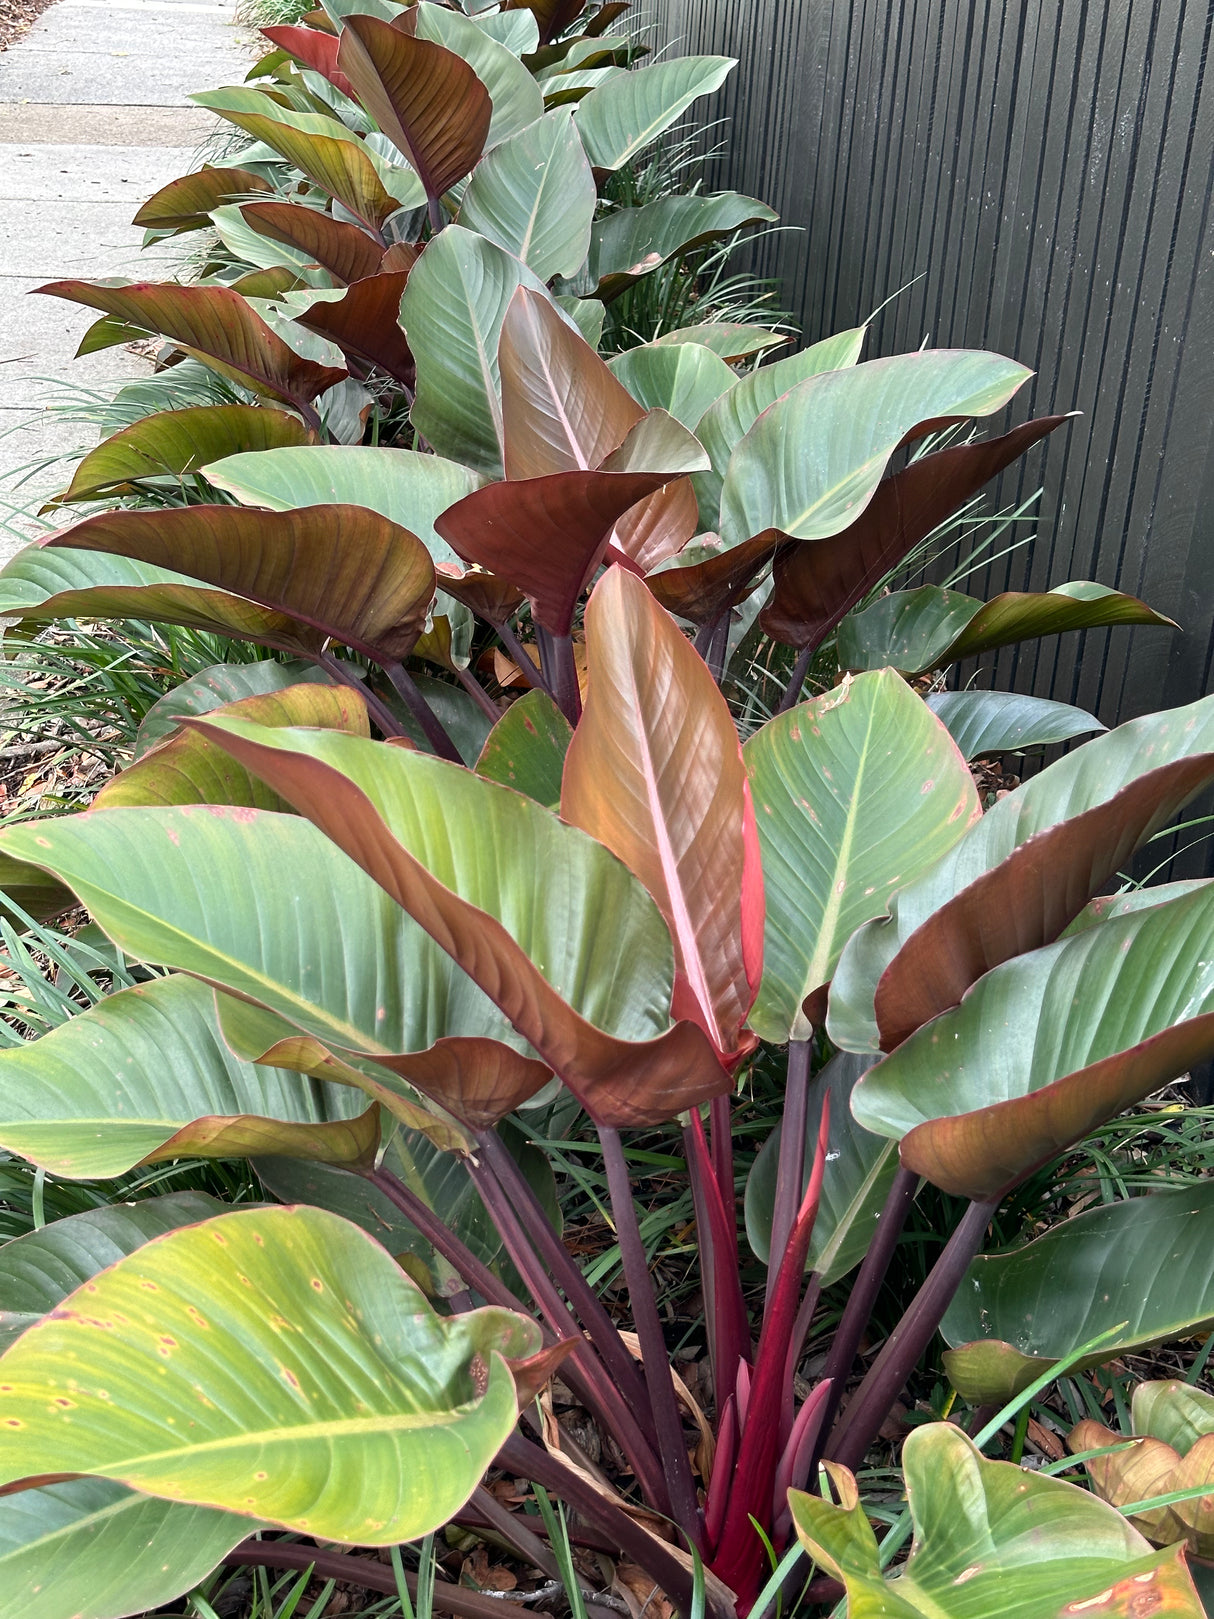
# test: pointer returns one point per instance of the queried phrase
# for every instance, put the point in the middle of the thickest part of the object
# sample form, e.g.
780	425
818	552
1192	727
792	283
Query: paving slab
55	172
66	122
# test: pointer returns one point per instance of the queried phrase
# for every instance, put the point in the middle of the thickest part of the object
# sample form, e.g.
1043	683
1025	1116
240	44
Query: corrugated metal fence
1044	168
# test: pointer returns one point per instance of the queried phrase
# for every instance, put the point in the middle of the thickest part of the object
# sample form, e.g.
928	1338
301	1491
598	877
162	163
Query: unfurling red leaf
314	49
655	773
421	828
424	98
342	570
357	1414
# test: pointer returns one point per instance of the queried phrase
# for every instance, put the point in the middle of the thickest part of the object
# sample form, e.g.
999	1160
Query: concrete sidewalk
93	119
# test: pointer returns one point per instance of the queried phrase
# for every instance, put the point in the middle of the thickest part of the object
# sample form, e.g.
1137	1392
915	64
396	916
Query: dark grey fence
1044	168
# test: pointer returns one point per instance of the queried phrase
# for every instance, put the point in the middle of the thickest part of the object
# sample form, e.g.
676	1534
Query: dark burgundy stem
512	1528
717	1236
372	1576
532	1462
667	1419
585	1373
479	695
526	666
379	710
790	1169
432	727
721	1119
567	1273
457	1254
566	691
863	1296
888	1374
792	692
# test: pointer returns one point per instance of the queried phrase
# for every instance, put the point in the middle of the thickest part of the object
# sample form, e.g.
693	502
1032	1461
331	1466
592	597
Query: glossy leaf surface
534	195
985	724
1048	1046
355	1415
453	311
860	1169
172	443
629	243
725	424
991	1540
41	584
526	749
622	116
315	49
917	630
365	323
341	570
817	582
145	1076
516	99
655	773
729	340
216	326
1029	898
1147	1262
89	1546
812	462
681	378
597	1011
40	1269
1089	776
706	577
346	251
187	769
422	96
407	488
855	793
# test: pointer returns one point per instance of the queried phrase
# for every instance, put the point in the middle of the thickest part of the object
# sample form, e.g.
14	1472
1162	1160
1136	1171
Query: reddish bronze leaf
424	98
365	324
554	16
711	580
343	249
341	569
314	49
186	204
1027	900
486	595
563	410
818	581
658	528
655	773
216	326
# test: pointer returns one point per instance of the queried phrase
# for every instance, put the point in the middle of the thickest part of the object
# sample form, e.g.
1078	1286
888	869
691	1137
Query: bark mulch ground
16	16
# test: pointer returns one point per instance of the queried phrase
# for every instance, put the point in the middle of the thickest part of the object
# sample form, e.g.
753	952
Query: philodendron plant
384	915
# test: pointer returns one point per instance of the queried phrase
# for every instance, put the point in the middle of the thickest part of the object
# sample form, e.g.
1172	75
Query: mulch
16	16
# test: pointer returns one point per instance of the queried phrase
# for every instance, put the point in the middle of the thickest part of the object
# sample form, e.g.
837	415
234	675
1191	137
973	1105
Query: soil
16	16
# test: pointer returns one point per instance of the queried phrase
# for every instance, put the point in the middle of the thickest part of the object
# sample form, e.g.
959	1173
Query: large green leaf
39	1270
323	149
1091	775
517	99
40	585
1133	1273
928	628
323	1394
992	1541
622	116
96	1548
812	461
217	686
582	967
342	571
535	196
860	1169
727	339
985	724
187	769
404	486
654	772
453	311
174	442
526	749
855	793
629	243
145	1075
726	422
216	326
282	918
426	99
1047	1047
682	378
